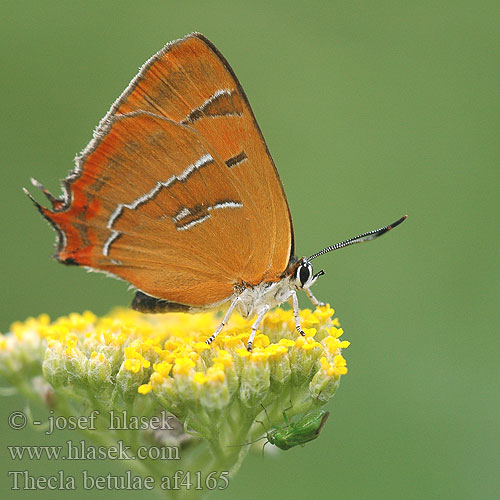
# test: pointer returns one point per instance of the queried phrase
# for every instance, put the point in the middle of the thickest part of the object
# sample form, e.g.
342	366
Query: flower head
147	363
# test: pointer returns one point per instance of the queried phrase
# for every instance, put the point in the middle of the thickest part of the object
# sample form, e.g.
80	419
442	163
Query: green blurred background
371	110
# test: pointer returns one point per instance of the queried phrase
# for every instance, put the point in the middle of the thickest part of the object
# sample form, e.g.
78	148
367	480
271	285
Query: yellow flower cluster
143	365
185	353
167	355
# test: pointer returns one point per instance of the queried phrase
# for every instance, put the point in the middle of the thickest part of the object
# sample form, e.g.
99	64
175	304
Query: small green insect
298	430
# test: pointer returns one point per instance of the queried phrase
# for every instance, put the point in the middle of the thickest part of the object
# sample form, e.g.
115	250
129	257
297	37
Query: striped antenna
359	239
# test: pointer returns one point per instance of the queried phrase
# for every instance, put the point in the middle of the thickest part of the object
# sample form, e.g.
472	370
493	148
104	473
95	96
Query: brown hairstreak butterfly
177	194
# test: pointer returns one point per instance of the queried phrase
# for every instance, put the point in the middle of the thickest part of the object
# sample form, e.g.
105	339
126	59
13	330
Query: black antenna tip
397	223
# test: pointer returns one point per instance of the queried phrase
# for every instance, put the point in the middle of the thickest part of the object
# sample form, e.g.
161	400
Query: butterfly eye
304	273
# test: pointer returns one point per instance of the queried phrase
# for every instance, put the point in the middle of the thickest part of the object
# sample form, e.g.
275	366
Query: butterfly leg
295	302
314	300
256	324
234	303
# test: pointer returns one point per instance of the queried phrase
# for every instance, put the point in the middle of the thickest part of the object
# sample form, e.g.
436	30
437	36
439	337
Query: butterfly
177	194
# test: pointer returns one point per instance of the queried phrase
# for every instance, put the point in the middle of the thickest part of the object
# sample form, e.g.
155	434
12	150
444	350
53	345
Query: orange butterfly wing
177	192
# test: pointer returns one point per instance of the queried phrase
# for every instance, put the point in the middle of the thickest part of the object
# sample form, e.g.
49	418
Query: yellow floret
183	366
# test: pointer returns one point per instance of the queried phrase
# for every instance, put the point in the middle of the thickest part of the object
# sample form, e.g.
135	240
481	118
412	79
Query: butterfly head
303	275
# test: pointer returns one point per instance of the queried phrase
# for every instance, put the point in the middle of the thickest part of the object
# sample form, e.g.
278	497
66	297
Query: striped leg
255	325
224	321
295	302
314	300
